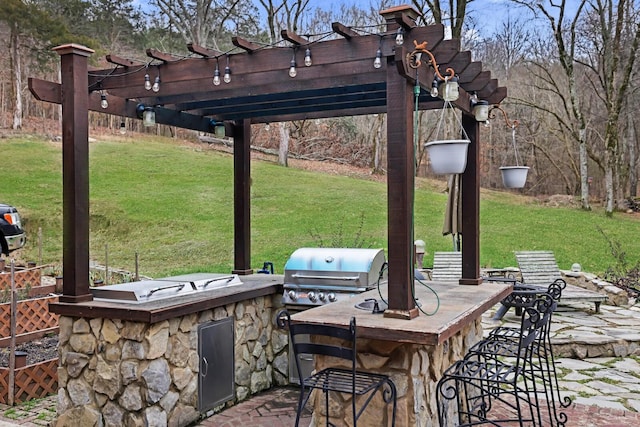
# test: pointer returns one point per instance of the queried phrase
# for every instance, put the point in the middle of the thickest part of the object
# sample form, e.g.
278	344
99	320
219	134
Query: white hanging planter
514	176
448	156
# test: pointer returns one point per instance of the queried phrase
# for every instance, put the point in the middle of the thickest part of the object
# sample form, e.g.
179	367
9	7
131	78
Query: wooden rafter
294	38
114	59
202	51
244	44
161	56
343	30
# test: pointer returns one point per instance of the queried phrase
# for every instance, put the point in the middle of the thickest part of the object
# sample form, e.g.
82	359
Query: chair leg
501	312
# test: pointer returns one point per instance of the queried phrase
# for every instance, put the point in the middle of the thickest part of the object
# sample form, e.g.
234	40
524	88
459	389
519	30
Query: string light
103	101
307	58
147	81
156	84
377	63
400	36
434	88
292	69
227	72
216	74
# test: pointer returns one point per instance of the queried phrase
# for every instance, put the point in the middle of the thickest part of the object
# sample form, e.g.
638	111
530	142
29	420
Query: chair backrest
447	266
535	321
538	267
343	344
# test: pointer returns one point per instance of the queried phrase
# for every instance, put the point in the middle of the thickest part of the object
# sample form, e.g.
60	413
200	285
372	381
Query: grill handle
162	288
305	276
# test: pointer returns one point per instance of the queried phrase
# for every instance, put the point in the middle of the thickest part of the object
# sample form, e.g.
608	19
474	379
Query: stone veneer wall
415	370
122	373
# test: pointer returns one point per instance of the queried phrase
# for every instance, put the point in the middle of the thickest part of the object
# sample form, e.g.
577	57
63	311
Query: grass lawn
173	205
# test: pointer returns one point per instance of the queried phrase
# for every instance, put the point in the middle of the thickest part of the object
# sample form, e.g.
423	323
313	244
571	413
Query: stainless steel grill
318	276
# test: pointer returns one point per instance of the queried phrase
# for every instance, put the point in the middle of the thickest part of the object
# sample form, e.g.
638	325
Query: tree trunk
584	171
16	77
283	148
377	144
631	143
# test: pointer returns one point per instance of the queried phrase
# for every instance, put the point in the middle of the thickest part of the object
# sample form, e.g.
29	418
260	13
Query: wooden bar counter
414	352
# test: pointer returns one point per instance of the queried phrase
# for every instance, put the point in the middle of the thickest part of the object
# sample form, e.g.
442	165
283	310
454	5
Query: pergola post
471	205
400	190
75	172
242	197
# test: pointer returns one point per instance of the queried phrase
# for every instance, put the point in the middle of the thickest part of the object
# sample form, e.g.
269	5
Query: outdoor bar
134	364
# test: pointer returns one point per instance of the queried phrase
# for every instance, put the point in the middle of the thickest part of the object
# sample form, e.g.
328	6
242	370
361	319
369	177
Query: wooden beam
75	173
242	197
123	62
293	37
471	205
203	51
343	30
161	56
245	44
405	21
400	188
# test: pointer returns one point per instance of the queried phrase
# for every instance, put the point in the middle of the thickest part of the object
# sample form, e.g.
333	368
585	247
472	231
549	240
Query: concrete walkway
597	356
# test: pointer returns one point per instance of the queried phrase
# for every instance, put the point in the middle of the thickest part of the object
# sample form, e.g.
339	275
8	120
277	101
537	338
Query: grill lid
352	267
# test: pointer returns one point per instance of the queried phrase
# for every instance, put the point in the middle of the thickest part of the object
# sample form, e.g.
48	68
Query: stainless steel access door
216	382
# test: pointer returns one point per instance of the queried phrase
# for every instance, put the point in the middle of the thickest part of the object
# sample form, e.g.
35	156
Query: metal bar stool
544	361
342	380
485	381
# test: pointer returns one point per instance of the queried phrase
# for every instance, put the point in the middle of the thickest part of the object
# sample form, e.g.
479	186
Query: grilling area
169	351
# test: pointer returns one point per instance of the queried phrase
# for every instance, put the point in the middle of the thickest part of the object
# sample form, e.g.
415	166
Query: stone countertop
253	286
458	306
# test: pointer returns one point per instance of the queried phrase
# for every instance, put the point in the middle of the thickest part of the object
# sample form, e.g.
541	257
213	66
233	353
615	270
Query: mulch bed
39	350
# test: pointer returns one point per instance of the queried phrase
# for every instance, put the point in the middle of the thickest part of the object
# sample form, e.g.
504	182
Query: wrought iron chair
484	378
543	363
341	343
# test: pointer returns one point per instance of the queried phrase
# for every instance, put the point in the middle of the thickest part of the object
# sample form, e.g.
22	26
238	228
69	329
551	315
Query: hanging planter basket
448	156
514	176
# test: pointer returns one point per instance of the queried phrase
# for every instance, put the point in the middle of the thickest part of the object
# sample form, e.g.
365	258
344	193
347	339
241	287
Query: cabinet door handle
205	367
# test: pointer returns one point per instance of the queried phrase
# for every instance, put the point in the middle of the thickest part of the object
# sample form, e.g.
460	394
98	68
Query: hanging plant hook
511	124
414	59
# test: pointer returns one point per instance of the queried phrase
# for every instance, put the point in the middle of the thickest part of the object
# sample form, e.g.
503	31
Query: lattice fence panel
30	277
33	315
31	382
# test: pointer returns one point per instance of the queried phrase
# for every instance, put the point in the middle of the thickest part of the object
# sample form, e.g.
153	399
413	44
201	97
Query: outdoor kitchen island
168	361
414	353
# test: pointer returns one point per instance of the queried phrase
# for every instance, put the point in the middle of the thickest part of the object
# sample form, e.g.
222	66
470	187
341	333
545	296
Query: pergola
342	81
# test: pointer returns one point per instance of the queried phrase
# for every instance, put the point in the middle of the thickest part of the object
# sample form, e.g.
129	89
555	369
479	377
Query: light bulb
377	63
292	70
400	37
227	74
123	128
103	101
147	82
434	89
216	77
156	84
307	58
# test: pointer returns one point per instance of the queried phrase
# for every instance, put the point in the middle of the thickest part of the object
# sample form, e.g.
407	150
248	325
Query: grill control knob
332	296
293	295
312	296
322	296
